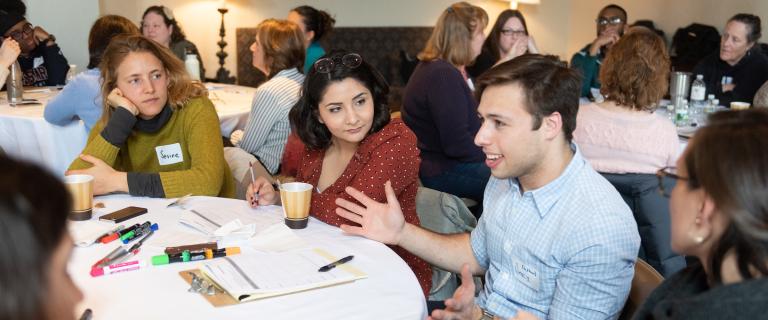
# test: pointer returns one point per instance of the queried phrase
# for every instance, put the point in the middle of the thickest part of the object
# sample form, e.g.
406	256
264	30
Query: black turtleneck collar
155	124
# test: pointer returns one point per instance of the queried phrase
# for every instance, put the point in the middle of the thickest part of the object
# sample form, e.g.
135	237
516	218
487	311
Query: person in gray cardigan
719	215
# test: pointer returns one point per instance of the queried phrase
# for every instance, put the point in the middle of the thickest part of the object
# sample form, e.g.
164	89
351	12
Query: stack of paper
260	275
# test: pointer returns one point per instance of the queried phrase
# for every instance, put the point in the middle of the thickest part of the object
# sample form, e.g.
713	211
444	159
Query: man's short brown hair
548	84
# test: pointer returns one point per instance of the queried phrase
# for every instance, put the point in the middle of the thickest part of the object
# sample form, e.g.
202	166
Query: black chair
651	211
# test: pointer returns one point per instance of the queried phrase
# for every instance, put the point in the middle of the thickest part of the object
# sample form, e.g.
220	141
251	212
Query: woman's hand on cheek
117	99
105	178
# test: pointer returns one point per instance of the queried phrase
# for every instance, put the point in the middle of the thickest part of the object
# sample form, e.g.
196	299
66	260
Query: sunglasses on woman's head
327	65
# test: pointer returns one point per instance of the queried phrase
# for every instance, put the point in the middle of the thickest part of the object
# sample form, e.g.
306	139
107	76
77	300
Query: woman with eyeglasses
278	51
343	120
159	24
508	39
35	245
439	106
158	135
316	25
719	212
40	58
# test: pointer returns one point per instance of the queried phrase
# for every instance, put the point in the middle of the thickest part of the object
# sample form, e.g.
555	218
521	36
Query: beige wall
560	27
72	36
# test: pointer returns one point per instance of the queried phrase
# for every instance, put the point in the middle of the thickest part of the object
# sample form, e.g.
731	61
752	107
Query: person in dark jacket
41	60
611	25
737	71
719	214
439	107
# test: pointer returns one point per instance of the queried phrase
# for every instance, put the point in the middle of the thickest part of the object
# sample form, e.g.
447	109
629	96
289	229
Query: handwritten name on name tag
169	154
527	274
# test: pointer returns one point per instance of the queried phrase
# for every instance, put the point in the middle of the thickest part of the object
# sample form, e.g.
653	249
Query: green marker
162	259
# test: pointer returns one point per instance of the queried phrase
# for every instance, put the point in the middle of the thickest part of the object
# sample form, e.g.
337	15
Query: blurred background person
737	71
159	24
622	135
508	39
278	51
81	97
316	25
41	60
439	106
611	24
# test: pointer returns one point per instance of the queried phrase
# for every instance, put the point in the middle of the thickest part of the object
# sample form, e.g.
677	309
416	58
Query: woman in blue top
81	97
315	24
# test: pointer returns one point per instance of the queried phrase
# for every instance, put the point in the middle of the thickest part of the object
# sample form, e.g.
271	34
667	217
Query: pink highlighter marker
117	268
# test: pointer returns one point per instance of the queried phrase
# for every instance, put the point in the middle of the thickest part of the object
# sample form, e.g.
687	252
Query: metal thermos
679	86
14	84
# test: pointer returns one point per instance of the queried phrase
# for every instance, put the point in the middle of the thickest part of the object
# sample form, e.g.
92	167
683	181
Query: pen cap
233	250
110	238
160	260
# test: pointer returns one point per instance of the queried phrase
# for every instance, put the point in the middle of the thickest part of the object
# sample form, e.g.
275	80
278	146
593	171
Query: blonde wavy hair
180	86
452	37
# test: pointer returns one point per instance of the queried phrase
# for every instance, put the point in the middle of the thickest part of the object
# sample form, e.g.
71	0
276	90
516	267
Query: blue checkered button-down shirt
563	251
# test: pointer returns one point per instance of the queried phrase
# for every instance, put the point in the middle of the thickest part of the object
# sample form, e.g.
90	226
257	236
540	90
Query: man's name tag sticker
169	154
527	275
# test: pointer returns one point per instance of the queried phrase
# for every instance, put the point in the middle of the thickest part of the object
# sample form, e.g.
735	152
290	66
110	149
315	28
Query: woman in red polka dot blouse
343	121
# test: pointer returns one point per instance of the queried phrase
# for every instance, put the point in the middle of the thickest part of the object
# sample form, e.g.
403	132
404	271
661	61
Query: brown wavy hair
282	43
180	86
102	31
451	39
635	73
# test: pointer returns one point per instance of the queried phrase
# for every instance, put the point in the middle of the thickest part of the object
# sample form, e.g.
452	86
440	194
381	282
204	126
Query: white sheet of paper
277	238
207	219
262	273
177	238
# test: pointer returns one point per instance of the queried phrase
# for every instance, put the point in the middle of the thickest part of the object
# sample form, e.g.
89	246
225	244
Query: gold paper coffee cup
738	105
296	198
80	188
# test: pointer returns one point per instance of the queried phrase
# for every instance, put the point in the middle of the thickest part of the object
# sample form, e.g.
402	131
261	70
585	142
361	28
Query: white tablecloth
391	290
25	134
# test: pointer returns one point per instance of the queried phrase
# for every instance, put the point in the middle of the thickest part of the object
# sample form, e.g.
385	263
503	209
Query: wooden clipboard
219	299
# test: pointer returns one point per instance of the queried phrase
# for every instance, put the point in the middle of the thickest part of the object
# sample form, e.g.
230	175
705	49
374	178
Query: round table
391	290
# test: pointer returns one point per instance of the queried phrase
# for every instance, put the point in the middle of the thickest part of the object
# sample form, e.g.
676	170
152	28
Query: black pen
332	265
87	315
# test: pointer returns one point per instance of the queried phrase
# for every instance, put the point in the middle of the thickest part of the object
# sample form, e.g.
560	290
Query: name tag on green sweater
169	154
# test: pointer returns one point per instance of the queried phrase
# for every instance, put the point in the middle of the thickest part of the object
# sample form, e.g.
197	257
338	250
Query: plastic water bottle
193	66
14	84
681	114
698	93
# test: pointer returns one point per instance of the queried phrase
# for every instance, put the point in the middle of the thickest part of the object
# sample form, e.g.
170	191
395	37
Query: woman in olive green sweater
159	134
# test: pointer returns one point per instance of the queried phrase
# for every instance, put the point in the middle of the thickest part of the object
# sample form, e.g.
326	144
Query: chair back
444	213
651	211
646	280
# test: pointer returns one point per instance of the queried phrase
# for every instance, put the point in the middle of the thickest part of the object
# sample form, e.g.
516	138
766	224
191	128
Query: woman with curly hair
622	134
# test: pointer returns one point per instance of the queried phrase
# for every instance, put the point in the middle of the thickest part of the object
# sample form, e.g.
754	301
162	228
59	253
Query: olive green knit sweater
201	170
